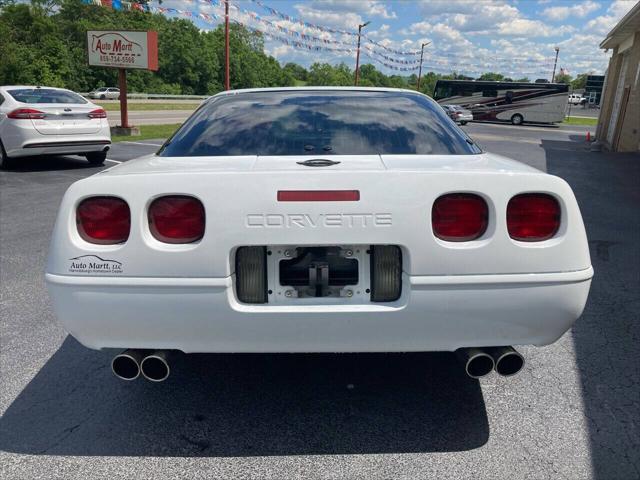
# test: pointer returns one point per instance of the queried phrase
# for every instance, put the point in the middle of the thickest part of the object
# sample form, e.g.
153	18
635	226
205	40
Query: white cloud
604	23
619	8
363	8
531	28
384	30
342	20
467	16
579	10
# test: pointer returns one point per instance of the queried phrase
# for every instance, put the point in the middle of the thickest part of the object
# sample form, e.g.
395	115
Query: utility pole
420	71
553	75
360	27
227	83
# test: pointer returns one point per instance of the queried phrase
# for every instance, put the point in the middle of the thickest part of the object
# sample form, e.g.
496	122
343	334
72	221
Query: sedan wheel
5	162
96	158
463	122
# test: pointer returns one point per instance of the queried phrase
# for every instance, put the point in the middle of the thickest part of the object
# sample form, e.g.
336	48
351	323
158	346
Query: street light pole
420	71
553	76
360	27
227	83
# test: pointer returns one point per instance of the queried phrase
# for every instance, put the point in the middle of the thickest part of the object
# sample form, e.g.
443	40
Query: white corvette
319	220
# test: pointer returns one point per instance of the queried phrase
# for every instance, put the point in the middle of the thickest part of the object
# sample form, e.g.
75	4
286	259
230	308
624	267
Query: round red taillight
177	219
459	217
533	217
103	220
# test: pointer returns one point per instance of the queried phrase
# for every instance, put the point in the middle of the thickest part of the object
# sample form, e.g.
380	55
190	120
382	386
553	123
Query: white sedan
319	220
108	93
50	121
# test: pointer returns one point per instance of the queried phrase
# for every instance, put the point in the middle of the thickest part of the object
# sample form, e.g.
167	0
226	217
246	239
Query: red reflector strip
318	195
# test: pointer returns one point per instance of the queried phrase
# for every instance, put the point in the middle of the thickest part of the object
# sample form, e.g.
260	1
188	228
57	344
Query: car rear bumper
60	147
434	313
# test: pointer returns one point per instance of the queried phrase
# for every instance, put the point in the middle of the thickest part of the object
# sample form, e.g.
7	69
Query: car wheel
102	97
463	122
96	158
517	119
5	162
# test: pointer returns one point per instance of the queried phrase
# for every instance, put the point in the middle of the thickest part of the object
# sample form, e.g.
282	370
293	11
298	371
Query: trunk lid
65	119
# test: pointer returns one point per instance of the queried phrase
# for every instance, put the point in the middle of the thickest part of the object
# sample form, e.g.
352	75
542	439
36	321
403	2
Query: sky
514	37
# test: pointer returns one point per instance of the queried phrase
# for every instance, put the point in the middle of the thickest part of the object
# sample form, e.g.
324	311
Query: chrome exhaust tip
155	367
508	361
126	365
477	363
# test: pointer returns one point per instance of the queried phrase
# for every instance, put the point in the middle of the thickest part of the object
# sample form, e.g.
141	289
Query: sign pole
122	84
227	82
420	71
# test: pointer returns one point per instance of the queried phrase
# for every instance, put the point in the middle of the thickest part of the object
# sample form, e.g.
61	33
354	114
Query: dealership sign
123	49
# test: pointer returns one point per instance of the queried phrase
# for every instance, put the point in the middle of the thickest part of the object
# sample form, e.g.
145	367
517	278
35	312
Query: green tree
491	76
562	78
580	81
321	74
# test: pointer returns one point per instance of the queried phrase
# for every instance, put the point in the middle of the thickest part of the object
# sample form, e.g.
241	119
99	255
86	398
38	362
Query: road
572	413
150	117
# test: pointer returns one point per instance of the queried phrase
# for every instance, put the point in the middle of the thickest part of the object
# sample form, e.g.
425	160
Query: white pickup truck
577	99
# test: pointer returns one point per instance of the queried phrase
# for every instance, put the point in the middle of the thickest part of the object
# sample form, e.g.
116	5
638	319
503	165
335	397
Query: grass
149	131
115	107
580	121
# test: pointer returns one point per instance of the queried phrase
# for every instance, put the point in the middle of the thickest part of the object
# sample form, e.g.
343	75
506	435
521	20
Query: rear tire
96	158
5	162
464	122
517	119
102	97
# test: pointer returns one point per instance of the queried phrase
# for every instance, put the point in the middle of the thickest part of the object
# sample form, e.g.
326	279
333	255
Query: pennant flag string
304	41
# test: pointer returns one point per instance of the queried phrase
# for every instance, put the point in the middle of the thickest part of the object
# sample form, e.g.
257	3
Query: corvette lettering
328	220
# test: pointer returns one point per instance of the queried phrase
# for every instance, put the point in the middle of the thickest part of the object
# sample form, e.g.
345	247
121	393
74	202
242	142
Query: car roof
7	87
319	89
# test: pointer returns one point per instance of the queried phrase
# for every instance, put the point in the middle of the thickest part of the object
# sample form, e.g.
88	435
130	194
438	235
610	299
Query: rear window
318	123
45	95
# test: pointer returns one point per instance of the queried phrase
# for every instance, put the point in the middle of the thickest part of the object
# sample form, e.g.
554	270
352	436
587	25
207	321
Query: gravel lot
572	413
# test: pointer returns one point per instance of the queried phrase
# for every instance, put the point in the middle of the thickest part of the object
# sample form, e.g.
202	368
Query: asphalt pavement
572	413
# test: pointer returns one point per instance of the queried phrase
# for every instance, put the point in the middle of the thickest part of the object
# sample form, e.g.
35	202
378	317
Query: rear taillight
533	217
459	217
98	113
103	220
26	114
177	219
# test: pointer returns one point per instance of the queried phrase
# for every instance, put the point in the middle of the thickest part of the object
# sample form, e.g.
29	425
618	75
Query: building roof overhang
627	26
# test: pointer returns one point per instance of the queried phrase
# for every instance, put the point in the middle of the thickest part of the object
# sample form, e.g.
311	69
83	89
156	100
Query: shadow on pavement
248	405
607	336
48	164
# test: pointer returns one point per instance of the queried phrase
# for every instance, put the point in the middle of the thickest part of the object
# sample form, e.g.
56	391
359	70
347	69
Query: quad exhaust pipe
478	362
152	365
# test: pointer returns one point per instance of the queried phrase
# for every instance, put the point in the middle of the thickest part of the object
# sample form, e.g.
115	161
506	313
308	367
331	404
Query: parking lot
572	413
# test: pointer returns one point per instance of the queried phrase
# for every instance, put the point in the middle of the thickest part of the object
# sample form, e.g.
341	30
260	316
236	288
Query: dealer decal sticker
94	264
